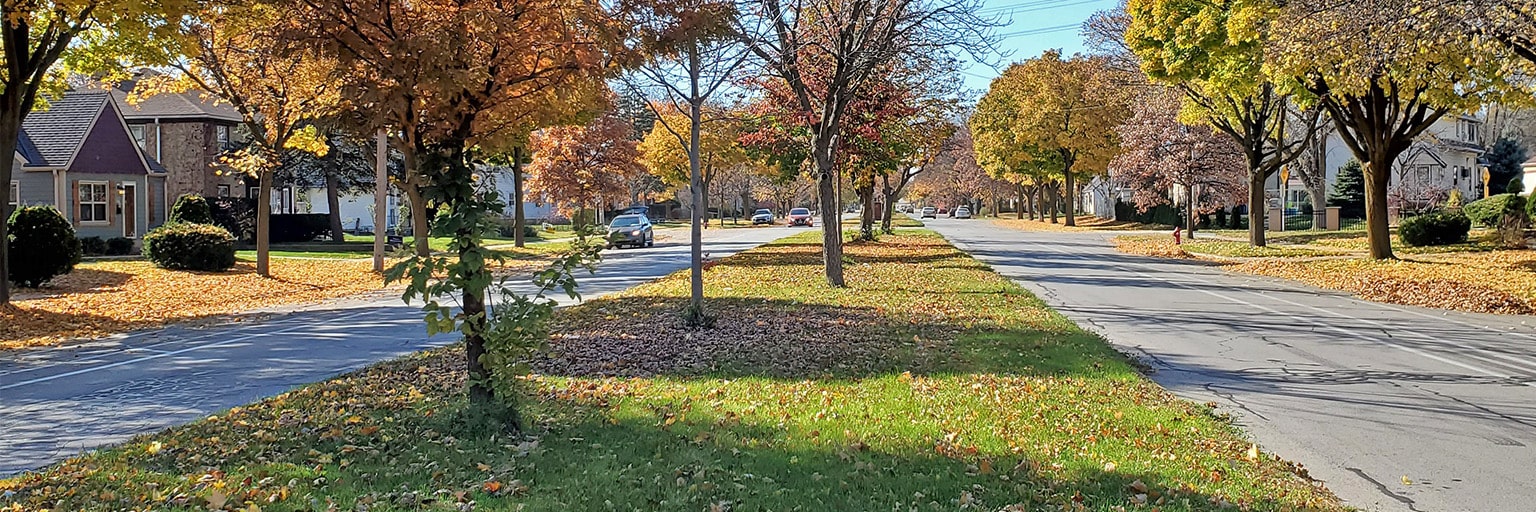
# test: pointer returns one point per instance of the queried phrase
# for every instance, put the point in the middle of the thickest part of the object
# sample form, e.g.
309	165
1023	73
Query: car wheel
650	242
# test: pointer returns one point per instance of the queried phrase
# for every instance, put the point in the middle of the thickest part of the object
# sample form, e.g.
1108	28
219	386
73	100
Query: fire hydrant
1177	231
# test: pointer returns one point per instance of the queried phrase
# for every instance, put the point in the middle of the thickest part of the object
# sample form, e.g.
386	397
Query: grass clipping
930	383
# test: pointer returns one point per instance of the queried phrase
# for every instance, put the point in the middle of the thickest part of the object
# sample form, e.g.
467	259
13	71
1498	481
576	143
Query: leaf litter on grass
930	383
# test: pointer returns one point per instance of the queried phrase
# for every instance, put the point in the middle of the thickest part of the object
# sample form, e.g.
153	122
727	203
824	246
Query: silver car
762	216
631	230
962	212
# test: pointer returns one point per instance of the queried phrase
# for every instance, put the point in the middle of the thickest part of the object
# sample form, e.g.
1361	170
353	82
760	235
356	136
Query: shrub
236	215
185	246
299	227
506	229
193	209
1439	228
119	246
93	246
43	245
1490	210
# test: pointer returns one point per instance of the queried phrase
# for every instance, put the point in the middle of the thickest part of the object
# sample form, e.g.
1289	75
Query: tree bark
264	223
831	224
519	222
333	205
1319	199
1377	173
1018	208
421	230
1071	201
698	187
1258	208
10	128
1054	196
1191	218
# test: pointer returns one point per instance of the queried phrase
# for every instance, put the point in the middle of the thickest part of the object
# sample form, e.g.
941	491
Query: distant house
356	209
186	132
79	156
1441	160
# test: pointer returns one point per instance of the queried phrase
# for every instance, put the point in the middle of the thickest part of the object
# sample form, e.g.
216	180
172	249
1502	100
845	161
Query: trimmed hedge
43	245
1439	228
119	246
185	246
1490	210
193	209
93	246
299	227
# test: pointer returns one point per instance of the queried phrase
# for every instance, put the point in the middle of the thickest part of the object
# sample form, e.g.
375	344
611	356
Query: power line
1041	30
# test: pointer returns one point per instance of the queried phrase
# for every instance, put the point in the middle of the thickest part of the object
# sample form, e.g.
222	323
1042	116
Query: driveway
1394	408
58	402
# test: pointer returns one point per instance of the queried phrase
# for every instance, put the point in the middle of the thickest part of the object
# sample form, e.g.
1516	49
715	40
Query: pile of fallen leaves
1501	282
103	298
1157	246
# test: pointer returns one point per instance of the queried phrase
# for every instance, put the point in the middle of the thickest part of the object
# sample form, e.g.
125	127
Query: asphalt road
1394	408
55	403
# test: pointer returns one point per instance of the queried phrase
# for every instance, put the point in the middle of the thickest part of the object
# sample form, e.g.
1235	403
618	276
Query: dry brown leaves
103	298
1084	223
1500	282
1158	246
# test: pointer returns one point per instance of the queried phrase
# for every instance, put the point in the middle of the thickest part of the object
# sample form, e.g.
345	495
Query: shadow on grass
83	279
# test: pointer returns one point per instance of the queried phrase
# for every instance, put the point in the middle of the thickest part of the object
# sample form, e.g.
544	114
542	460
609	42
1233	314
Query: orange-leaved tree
584	167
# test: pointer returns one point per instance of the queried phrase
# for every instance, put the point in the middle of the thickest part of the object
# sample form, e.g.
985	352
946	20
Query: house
186	132
1443	159
79	156
356	207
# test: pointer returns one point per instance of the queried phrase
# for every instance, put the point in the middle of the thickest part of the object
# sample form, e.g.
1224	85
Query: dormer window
138	135
1466	130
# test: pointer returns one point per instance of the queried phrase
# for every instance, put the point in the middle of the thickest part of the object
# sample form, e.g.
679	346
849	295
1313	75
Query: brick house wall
190	155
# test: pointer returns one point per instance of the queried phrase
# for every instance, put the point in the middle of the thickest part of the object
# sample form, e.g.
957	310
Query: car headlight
634	233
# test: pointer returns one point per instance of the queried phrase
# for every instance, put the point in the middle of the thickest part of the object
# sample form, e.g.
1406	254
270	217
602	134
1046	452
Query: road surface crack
1211	388
1384	490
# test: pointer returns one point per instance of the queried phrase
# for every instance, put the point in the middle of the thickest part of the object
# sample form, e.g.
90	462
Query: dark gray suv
631	230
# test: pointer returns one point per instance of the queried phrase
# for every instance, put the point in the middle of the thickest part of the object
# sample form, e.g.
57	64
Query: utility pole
380	199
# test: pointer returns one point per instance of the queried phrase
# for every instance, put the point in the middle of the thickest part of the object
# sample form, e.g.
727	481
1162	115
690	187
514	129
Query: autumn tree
582	167
90	37
1064	110
668	157
826	51
1384	78
1160	156
1215	52
243	54
448	78
692	52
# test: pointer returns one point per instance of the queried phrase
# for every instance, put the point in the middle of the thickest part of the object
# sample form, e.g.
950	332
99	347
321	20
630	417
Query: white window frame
13	194
223	191
140	135
221	135
106	203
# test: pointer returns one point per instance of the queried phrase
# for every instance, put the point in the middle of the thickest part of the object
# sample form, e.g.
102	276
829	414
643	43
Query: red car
800	217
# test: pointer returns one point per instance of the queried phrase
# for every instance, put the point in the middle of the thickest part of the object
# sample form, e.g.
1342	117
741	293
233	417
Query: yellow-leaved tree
252	57
89	37
666	155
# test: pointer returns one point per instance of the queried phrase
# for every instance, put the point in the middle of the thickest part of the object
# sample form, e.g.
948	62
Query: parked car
943	211
962	212
801	217
762	216
631	230
930	212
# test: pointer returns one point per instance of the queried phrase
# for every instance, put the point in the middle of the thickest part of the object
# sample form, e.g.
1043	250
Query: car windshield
799	211
763	212
625	221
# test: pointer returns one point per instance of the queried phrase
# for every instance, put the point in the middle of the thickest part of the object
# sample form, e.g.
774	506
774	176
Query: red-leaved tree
1161	158
580	167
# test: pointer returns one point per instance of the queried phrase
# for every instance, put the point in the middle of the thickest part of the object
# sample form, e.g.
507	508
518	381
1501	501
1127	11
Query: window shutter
111	203
74	212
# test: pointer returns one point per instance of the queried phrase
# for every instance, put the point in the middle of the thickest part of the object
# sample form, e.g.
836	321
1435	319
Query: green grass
900	220
930	383
250	255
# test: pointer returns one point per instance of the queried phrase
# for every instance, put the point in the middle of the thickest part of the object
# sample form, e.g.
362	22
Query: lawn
900	220
1475	276
930	383
1084	223
109	297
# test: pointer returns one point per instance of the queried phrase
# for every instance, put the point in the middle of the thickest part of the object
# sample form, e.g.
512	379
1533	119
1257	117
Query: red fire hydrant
1177	230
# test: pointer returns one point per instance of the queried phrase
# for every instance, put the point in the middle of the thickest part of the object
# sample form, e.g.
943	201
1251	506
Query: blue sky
1033	26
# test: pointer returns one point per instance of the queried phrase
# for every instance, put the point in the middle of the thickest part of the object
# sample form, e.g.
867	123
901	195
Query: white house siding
1444	158
357	209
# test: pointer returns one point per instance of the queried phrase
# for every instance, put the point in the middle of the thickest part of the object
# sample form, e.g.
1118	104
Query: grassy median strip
930	383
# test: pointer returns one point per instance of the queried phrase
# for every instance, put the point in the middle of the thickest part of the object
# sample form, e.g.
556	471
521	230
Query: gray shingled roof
186	105
57	131
28	151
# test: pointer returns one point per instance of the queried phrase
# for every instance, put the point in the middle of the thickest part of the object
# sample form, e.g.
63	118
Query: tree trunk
1377	230
1018	208
519	222
10	128
866	211
1319	199
264	223
1054	196
1258	208
831	223
1035	203
333	205
1071	201
1191	219
421	231
698	187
